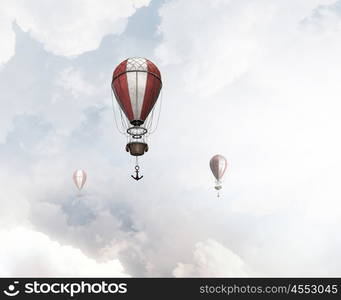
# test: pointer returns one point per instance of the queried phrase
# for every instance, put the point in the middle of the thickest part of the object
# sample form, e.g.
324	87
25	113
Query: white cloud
211	259
24	252
264	89
216	43
259	83
7	36
71	80
269	102
67	27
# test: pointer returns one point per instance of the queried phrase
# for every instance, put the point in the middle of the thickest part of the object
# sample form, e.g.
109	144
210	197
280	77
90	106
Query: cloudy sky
257	81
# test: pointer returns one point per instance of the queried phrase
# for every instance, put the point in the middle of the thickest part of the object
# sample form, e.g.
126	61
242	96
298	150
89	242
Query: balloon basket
136	148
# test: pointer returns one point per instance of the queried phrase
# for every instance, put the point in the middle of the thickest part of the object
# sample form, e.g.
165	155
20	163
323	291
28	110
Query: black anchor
136	177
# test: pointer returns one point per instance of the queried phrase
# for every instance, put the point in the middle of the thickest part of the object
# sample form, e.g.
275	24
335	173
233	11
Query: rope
150	119
114	111
158	118
124	122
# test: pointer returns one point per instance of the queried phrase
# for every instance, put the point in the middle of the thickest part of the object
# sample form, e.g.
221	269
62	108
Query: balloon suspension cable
137	169
152	130
123	122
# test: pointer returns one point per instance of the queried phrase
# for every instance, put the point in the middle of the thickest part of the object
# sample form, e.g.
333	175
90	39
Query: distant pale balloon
218	165
79	178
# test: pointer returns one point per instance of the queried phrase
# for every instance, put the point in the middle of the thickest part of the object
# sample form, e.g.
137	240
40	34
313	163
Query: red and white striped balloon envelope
136	84
218	165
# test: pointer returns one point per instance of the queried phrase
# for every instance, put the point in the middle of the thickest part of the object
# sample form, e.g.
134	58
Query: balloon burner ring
137	132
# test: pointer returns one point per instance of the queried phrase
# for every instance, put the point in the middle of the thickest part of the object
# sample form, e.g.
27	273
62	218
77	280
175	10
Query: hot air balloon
218	165
136	84
79	178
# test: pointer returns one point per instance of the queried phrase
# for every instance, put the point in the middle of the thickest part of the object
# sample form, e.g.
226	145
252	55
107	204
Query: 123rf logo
70	289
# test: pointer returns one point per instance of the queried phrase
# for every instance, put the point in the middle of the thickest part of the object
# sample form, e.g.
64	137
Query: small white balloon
218	165
79	178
